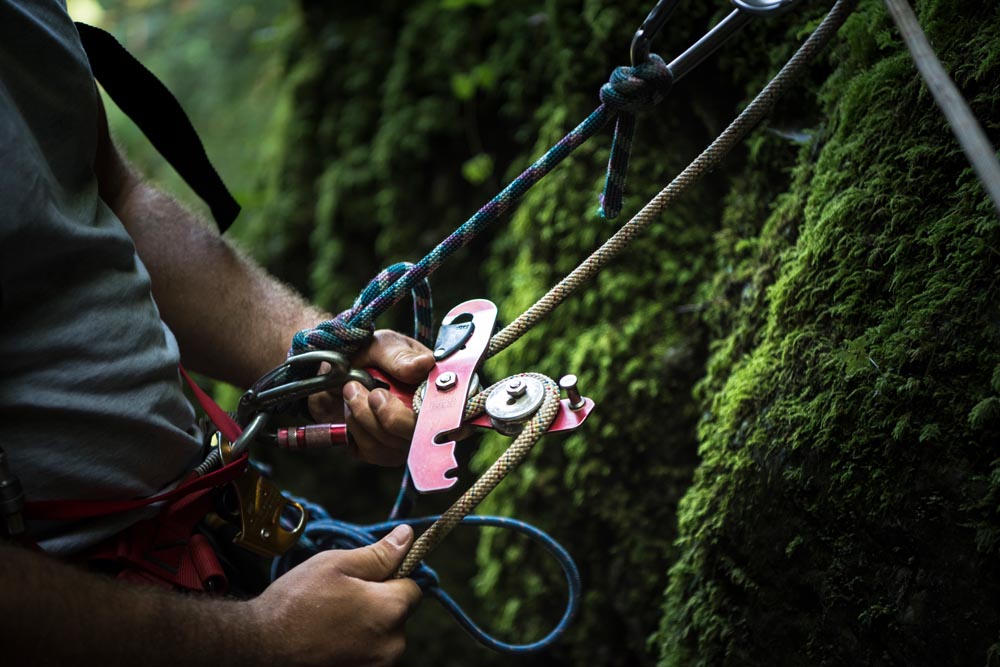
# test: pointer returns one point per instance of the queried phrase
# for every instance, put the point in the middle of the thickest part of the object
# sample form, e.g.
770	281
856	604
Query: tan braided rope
705	162
590	267
963	123
518	450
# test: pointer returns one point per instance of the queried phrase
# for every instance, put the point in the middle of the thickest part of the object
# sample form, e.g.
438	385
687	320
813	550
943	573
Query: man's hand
341	607
337	608
379	423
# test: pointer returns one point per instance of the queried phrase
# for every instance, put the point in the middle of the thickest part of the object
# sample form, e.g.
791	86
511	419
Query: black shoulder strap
144	99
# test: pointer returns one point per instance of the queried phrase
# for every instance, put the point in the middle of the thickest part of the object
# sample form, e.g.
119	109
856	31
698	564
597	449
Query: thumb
403	358
379	561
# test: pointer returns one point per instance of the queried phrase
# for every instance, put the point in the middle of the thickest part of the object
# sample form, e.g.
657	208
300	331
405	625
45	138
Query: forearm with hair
52	613
232	319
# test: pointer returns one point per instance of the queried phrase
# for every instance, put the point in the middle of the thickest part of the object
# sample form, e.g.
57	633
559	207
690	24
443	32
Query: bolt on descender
460	350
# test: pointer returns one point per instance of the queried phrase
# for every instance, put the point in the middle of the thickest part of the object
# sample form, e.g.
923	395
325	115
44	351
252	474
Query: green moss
811	334
851	416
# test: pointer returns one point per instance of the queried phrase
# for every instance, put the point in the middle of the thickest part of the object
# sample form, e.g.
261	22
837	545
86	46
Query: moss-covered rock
844	511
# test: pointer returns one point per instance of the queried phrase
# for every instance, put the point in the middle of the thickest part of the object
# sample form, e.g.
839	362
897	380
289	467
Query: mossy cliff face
845	507
812	332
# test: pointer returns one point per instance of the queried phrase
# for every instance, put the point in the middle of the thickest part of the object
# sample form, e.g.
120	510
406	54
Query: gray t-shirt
90	399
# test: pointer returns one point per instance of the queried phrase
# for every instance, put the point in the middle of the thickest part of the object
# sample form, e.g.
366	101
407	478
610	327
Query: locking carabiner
746	11
273	389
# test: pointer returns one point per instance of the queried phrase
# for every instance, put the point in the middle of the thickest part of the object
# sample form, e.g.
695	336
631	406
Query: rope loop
324	532
632	89
347	333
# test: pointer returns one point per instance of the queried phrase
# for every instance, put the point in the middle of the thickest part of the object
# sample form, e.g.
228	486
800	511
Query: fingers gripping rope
629	90
325	532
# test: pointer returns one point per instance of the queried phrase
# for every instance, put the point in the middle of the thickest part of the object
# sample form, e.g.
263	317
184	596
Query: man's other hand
380	425
340	607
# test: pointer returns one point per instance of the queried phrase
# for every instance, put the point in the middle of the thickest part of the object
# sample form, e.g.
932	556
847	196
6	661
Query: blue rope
629	90
323	532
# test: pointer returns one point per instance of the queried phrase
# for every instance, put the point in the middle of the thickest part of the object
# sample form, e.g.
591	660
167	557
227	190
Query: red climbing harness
164	550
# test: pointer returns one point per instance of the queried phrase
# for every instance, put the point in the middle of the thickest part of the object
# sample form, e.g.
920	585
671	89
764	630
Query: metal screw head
508	412
265	533
516	388
568	384
446	381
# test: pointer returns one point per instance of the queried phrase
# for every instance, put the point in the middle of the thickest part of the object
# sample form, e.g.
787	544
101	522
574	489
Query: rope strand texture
705	162
510	459
964	125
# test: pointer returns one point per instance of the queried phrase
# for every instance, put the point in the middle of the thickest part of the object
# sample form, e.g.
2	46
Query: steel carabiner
744	12
275	389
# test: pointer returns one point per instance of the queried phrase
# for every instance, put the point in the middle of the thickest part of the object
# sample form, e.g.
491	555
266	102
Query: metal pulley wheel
514	402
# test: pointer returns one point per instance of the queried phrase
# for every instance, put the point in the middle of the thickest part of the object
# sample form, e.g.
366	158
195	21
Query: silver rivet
568	384
446	381
265	533
507	413
516	388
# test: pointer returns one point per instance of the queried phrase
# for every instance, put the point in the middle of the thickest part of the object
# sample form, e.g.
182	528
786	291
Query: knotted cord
630	90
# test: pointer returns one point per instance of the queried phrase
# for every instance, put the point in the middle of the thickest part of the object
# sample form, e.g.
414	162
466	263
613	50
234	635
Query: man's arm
335	609
234	321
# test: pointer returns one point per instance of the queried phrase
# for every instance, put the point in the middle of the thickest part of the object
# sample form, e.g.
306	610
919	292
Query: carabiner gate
745	11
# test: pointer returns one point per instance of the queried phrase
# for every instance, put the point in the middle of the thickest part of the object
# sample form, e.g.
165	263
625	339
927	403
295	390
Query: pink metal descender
461	347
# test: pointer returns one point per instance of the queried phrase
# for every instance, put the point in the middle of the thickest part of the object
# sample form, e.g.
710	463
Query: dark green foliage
845	511
799	364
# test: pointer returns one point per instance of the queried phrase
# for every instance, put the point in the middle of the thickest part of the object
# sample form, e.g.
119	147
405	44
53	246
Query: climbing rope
510	459
323	532
629	89
343	335
708	159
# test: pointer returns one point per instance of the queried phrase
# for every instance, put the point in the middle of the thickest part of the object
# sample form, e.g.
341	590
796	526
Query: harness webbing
155	111
73	510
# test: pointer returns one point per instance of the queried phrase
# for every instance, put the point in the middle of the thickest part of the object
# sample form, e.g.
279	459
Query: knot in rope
347	333
633	88
629	90
337	334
